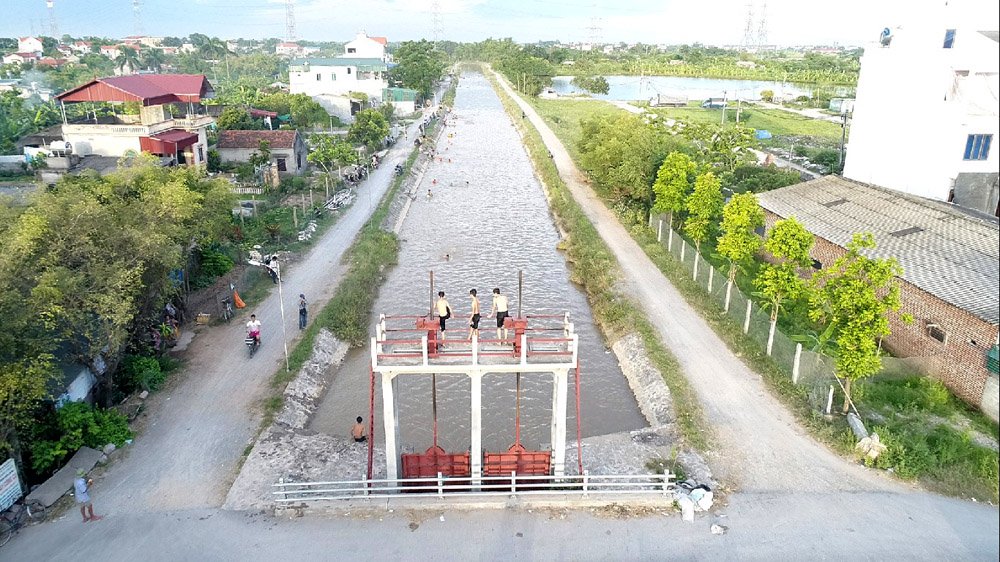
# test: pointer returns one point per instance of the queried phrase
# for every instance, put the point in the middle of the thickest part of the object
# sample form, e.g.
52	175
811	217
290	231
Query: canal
487	218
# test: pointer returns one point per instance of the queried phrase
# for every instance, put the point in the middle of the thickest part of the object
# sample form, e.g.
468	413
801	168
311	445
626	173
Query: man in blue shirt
81	487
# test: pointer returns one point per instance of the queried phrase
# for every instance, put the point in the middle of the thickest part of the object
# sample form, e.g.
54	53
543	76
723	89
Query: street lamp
843	138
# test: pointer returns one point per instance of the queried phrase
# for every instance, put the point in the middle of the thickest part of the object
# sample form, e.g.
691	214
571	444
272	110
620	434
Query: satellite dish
886	37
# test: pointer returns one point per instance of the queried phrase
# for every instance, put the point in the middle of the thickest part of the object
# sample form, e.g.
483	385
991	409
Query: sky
721	22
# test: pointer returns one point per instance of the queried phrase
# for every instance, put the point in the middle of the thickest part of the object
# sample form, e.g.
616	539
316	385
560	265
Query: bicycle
16	517
227	309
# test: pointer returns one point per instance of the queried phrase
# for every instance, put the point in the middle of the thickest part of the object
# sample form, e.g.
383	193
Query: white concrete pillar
795	364
711	277
390	424
746	321
476	428
670	239
560	382
659	230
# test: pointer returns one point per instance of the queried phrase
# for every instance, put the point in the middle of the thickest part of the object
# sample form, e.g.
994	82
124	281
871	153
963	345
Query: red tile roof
251	139
150	89
382	40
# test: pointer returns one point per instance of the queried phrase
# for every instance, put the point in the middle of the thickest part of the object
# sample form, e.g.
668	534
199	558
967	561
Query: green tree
723	148
789	243
592	84
419	65
674	181
237	119
758	179
329	153
767	95
127	60
703	206
152	59
369	128
854	297
739	243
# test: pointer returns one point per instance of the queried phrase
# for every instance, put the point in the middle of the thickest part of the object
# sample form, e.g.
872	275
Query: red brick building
951	271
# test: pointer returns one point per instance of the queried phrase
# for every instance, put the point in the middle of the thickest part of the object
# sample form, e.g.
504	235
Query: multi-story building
335	83
926	115
171	120
29	45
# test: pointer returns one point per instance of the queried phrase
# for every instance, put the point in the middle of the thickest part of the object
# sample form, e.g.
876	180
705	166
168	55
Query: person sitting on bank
358	431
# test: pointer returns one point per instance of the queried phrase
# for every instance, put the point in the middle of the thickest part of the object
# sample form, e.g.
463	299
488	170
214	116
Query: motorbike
399	170
252	344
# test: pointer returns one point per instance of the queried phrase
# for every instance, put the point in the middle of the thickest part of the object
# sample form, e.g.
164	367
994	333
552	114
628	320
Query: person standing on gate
474	316
443	311
500	308
303	313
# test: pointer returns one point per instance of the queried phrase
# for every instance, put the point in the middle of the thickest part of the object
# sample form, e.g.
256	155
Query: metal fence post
364	483
795	363
281	481
746	321
586	481
666	480
440	486
513	475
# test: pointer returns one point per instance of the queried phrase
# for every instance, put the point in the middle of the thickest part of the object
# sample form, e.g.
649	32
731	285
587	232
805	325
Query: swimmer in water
428	194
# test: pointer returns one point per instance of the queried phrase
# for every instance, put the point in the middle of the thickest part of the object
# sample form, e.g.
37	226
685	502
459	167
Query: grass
563	116
927	430
593	266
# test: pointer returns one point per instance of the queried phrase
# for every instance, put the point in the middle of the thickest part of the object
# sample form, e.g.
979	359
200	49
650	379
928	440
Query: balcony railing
189	122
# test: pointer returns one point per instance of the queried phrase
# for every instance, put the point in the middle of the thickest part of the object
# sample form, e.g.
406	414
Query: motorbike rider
253	328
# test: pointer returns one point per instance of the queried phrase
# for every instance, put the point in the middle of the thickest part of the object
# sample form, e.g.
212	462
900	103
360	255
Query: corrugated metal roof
150	89
367	63
251	139
955	256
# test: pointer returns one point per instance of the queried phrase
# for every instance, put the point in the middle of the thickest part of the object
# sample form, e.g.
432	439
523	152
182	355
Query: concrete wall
243	155
990	404
335	81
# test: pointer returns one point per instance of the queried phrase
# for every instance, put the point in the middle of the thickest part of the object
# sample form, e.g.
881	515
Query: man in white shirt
500	308
253	328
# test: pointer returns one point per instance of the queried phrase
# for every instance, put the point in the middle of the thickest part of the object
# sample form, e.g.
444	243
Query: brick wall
959	361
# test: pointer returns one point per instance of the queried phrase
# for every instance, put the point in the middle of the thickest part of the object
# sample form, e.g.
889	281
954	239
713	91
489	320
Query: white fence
512	485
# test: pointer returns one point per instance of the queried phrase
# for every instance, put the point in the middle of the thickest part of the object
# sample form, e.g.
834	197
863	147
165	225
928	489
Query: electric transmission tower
595	31
53	26
762	26
290	19
748	37
436	21
136	18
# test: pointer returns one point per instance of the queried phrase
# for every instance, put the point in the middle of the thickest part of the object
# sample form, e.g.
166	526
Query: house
950	283
182	138
403	100
50	62
288	148
30	45
288	49
365	47
82	47
927	93
20	58
110	51
138	41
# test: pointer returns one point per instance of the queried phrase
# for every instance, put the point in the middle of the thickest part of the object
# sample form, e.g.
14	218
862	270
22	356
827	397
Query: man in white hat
81	486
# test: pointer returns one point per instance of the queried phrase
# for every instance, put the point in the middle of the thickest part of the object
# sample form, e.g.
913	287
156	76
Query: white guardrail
511	485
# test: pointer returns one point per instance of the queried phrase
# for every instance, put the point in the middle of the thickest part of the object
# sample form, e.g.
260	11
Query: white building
335	82
287	49
926	115
29	45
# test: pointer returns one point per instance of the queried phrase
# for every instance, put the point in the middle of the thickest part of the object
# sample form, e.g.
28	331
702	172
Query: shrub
143	372
75	425
213	264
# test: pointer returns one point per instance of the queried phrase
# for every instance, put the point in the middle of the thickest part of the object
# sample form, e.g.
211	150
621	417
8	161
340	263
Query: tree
419	65
262	156
329	153
853	297
767	95
724	148
703	206
674	181
237	119
152	59
739	243
592	84
369	128
758	179
789	243
128	59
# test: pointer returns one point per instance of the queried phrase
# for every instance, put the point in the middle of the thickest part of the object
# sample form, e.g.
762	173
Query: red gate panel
434	460
517	459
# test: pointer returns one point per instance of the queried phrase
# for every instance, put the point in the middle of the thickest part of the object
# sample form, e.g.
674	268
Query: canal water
642	88
489	216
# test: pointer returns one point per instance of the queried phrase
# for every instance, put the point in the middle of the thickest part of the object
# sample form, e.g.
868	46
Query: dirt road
188	455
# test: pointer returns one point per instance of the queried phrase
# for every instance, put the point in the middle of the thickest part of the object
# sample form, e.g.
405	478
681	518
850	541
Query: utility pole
53	26
136	18
843	139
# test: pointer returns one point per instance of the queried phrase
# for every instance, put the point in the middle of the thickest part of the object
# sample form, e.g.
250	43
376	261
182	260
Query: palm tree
152	59
214	49
127	58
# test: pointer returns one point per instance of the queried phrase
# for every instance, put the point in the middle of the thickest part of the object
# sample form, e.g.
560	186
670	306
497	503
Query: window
201	153
319	77
977	147
348	70
949	38
936	332
351	50
333	76
282	167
